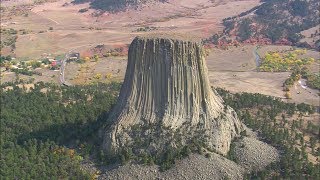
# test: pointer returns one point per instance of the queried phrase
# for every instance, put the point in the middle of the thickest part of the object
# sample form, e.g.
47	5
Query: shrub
83	10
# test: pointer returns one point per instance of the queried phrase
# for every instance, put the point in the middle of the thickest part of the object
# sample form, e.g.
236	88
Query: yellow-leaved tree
97	76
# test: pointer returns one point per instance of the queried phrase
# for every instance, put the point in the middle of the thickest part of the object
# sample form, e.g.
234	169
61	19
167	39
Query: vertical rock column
166	83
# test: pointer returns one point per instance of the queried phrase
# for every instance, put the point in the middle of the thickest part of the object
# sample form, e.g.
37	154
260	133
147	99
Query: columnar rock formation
166	85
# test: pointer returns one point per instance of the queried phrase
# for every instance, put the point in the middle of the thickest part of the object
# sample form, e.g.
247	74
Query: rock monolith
166	100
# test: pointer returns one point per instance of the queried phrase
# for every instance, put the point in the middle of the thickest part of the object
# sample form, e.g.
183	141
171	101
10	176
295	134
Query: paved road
62	68
257	57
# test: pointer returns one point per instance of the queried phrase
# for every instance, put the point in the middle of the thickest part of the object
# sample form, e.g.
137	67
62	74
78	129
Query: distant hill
115	5
275	20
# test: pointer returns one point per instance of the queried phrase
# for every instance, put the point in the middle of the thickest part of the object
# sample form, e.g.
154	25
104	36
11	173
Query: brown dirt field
47	76
235	59
73	30
307	33
7	77
252	82
234	70
302	95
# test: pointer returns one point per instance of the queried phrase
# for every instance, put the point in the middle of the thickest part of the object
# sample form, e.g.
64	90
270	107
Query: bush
23	71
83	10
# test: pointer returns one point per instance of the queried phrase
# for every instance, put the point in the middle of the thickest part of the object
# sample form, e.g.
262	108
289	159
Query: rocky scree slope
195	167
254	155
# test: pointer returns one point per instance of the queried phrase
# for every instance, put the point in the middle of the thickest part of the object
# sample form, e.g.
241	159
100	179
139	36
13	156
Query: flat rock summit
166	100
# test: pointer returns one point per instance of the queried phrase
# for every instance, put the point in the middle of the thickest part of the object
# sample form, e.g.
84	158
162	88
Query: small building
55	63
74	56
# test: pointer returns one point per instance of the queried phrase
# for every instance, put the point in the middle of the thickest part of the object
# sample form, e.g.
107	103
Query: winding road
62	68
257	57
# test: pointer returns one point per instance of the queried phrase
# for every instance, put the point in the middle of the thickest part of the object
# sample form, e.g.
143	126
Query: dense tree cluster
261	113
279	62
43	128
245	31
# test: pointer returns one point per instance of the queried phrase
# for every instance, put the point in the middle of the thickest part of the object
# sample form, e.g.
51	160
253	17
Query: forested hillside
115	5
42	129
275	20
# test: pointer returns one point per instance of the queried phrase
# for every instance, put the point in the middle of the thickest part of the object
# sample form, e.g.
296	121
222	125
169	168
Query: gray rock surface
195	167
166	85
254	155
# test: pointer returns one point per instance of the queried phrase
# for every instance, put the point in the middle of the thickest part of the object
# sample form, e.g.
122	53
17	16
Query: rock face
166	86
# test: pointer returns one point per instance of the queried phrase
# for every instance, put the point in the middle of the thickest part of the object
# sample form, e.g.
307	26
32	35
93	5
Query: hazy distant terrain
72	29
276	20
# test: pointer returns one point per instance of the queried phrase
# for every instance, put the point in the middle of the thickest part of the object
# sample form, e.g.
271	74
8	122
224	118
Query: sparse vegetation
115	52
23	71
275	19
146	28
8	39
313	79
